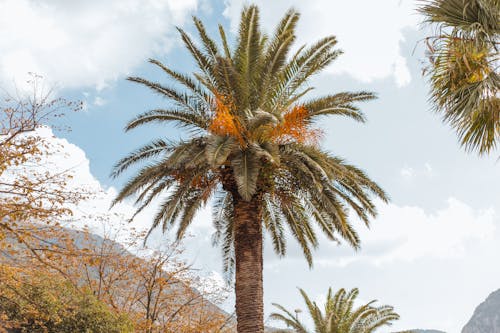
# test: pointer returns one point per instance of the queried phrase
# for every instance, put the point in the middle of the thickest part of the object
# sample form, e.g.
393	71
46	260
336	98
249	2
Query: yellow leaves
30	194
45	302
465	61
477	64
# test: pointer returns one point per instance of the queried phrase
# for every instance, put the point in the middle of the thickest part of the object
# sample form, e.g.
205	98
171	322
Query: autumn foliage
39	302
55	279
30	192
153	289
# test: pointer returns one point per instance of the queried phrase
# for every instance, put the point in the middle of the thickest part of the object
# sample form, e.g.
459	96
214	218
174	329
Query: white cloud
84	43
368	31
401	73
406	234
68	159
428	168
95	212
416	233
407	173
99	101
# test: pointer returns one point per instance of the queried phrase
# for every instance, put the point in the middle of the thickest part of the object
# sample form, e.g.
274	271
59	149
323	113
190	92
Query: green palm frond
273	222
202	60
279	46
225	44
197	89
307	62
219	148
468	16
288	319
150	174
339	314
248	122
160	115
339	104
247	56
246	169
210	46
223	221
150	150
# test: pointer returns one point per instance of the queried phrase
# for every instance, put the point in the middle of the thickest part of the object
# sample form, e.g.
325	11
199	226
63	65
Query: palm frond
247	55
340	315
339	104
246	167
463	68
210	46
277	50
183	118
188	82
202	60
251	136
219	148
148	151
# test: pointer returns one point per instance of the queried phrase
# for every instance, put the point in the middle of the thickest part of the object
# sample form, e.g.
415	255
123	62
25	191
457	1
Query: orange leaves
225	123
200	182
295	127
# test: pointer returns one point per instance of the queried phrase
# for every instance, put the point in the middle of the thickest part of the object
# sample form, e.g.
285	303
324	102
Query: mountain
486	317
422	331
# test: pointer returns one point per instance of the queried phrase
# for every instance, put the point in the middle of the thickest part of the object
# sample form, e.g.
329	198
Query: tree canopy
463	69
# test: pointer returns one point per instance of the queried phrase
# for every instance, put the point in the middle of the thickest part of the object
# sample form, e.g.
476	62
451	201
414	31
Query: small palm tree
253	152
463	68
339	315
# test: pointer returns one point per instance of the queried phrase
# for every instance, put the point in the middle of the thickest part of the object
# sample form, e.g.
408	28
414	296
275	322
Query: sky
431	252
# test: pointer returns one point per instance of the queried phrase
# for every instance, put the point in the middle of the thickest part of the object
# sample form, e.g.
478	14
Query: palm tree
463	68
253	152
339	314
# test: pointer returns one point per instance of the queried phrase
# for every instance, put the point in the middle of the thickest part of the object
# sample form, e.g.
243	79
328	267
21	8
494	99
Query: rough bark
249	265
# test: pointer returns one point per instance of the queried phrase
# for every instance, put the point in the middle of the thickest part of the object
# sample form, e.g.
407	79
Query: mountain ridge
486	316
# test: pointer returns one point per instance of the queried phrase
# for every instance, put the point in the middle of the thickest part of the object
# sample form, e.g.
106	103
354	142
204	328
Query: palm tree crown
253	152
252	138
339	314
463	70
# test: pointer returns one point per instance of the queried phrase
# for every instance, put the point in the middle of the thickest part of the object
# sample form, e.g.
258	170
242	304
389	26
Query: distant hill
486	317
423	331
277	330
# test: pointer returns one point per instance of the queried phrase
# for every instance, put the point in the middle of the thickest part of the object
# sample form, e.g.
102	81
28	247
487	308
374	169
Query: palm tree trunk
248	255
